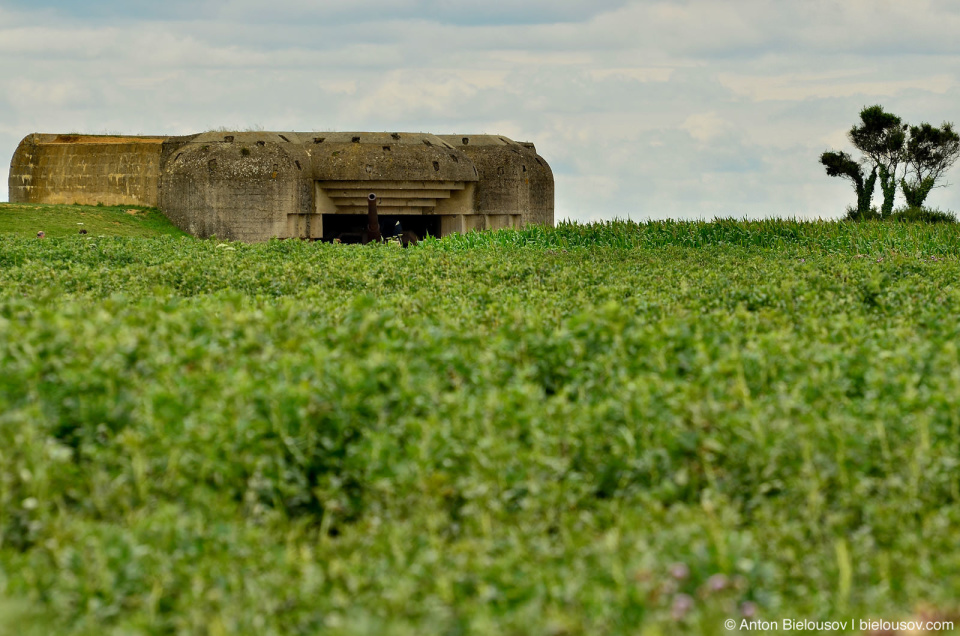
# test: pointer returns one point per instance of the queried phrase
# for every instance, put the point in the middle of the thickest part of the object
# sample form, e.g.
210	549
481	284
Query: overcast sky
682	109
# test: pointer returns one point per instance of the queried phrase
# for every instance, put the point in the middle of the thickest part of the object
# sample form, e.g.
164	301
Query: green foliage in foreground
504	433
26	219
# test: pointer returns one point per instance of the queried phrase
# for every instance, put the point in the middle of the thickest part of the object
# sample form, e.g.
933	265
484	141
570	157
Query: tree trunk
916	193
888	184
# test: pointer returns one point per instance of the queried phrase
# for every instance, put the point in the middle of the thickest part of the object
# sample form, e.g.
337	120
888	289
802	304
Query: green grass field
26	219
607	429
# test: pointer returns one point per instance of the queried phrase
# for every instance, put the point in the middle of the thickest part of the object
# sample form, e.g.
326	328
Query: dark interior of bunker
349	228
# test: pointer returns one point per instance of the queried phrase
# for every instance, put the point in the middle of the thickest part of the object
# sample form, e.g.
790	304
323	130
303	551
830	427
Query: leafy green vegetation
26	219
606	429
916	157
923	215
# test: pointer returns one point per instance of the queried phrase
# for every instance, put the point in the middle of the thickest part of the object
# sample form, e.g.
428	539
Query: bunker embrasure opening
351	228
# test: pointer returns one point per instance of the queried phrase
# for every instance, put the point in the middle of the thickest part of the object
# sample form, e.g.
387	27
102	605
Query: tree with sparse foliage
881	137
930	152
840	164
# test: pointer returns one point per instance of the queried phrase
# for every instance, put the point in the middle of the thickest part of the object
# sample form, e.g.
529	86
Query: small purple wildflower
717	583
682	603
679	571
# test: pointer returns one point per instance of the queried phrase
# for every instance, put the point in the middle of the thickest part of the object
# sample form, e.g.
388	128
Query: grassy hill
26	220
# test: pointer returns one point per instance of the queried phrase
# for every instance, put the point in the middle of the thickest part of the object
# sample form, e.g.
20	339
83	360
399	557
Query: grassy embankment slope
613	429
25	220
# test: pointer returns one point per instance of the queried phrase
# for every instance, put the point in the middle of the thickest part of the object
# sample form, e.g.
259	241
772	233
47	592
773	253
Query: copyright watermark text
863	625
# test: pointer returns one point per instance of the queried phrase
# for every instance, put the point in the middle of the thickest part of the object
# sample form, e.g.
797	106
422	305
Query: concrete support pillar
316	226
450	223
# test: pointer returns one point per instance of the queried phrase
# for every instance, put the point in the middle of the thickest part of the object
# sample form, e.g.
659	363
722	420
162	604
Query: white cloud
403	94
30	94
682	108
705	126
640	74
796	87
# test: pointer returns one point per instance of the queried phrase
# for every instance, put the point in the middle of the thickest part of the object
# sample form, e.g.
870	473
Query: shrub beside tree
916	157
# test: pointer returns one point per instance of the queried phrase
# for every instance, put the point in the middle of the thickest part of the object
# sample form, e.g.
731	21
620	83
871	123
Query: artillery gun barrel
373	221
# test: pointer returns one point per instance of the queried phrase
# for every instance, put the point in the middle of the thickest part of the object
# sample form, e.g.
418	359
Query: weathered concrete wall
253	186
386	156
86	169
238	186
513	180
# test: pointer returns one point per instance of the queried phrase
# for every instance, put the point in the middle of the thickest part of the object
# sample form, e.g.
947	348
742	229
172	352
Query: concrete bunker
253	186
